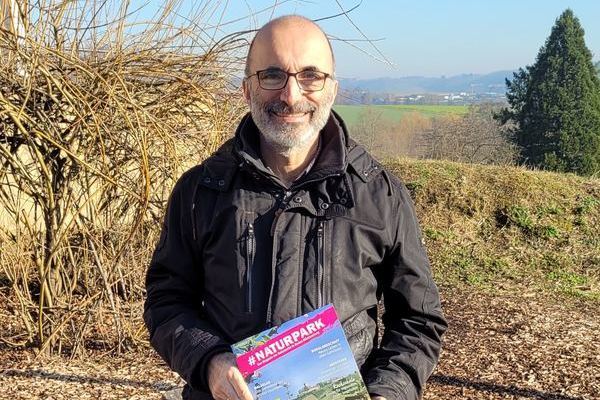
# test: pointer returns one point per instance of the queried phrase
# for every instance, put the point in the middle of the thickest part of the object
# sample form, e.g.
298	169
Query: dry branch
99	113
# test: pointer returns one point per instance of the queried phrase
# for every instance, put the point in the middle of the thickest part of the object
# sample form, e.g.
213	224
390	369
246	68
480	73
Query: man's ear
246	90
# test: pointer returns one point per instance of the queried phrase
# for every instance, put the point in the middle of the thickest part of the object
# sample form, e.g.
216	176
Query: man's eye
272	75
311	75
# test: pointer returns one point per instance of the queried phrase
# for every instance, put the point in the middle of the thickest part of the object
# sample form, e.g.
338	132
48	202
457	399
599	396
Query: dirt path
525	347
498	347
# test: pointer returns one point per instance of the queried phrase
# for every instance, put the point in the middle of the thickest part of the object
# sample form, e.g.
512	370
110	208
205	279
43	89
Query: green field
352	113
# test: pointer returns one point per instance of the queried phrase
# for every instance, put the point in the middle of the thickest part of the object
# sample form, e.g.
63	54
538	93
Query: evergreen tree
555	104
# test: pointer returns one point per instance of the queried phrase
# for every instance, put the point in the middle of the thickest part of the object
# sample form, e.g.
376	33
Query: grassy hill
507	228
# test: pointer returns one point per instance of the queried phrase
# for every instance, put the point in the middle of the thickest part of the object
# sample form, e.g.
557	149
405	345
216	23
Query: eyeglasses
276	79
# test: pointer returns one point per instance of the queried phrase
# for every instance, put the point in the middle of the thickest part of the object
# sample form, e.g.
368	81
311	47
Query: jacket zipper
193	213
250	249
193	218
320	263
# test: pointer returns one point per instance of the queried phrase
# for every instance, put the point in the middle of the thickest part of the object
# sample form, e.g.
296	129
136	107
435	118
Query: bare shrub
387	138
99	113
367	131
402	139
474	138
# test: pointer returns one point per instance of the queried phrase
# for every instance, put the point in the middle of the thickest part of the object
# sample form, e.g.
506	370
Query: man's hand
225	380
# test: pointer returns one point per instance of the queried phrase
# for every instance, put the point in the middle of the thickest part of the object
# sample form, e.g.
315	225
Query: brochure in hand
307	358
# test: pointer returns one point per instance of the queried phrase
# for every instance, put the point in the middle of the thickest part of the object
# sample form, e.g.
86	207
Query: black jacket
239	253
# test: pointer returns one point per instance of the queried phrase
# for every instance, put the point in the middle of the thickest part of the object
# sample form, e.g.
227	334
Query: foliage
555	104
99	114
384	137
476	137
464	134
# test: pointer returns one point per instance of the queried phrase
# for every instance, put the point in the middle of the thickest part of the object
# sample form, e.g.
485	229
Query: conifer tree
555	104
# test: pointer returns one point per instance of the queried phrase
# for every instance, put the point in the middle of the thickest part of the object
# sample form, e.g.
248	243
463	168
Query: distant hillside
469	83
507	227
598	67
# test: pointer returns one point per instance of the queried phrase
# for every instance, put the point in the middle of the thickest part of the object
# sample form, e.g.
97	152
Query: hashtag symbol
251	360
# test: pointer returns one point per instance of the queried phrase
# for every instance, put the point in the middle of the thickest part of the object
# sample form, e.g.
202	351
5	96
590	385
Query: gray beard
287	137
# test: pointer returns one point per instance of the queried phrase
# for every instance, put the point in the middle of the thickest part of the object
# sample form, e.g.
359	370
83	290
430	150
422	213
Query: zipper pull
193	218
250	250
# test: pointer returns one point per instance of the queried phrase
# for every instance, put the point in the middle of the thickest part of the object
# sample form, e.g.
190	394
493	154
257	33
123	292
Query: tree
473	138
555	104
384	137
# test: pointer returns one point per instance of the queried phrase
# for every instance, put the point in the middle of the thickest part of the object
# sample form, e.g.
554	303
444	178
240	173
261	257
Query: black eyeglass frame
257	74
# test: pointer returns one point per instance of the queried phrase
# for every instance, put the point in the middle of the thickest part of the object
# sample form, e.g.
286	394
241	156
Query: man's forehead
291	43
285	53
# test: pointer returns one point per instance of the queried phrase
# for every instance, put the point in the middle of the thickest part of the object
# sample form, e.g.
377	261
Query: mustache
280	107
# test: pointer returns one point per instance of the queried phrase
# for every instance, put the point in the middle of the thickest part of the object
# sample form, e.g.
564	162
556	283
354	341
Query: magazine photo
307	358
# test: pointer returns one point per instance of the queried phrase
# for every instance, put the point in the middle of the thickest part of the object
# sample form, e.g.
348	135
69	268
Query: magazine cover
307	358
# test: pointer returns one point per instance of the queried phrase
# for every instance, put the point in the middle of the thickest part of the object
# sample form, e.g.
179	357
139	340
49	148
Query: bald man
288	216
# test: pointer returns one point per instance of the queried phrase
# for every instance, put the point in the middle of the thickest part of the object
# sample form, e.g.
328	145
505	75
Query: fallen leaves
501	346
505	346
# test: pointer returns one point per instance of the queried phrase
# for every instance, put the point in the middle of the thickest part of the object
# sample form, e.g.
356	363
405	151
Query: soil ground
500	346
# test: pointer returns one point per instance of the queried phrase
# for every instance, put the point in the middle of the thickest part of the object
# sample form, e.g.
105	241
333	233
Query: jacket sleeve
172	311
413	319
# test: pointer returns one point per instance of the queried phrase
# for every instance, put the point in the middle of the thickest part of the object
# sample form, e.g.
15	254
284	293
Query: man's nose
291	93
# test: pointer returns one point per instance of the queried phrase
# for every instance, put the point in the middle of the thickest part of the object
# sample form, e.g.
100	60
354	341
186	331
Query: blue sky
427	37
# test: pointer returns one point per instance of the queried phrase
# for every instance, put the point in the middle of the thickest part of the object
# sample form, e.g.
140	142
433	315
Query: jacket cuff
199	379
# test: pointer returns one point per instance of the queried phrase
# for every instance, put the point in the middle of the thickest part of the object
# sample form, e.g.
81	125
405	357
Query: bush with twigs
99	114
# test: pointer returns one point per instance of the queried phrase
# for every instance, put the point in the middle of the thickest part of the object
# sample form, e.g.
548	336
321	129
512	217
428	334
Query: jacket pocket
250	240
360	331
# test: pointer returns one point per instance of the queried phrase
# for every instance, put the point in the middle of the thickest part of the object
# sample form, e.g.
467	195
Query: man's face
290	117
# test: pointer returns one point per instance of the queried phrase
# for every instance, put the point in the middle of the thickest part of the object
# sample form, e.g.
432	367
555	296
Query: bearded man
288	216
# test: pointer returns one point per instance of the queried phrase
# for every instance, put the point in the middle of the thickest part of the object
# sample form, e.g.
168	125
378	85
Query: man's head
292	116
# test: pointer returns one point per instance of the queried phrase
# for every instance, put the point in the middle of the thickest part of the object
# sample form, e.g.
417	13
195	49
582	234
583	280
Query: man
286	217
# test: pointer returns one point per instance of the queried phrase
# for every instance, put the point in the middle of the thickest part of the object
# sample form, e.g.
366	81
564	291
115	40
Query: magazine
307	358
